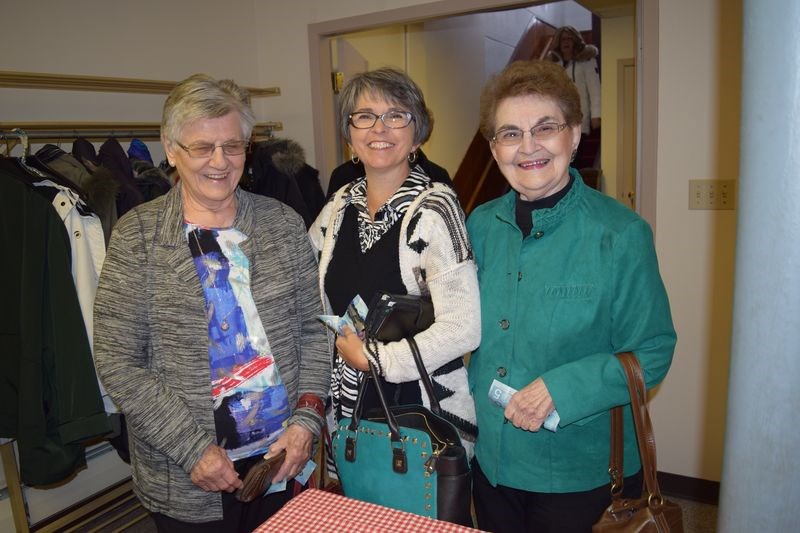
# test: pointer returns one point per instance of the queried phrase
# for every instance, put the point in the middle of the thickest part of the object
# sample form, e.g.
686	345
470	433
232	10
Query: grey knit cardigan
151	338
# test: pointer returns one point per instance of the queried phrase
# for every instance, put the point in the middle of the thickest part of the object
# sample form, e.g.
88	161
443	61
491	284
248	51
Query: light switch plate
712	194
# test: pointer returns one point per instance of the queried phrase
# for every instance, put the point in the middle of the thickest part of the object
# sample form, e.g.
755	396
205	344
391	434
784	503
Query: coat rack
100	131
93	131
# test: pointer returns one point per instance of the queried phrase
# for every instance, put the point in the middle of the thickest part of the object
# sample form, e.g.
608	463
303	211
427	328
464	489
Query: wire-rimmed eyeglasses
205	150
514	136
391	119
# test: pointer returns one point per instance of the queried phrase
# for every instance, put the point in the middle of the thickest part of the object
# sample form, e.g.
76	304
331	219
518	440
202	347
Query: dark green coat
49	397
583	285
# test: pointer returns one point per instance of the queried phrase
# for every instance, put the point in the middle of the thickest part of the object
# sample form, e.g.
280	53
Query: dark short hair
201	97
536	77
397	88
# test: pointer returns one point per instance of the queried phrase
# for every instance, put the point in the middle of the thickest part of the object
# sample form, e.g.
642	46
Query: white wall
151	40
381	47
455	74
698	137
564	13
266	44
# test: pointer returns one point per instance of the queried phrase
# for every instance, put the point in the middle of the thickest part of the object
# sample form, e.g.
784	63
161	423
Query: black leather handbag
406	457
393	317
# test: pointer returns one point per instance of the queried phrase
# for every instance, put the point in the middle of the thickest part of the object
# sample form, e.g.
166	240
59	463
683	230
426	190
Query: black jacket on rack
278	169
49	398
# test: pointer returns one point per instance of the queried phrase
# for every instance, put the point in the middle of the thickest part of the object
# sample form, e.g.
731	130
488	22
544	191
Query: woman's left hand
351	349
529	406
296	440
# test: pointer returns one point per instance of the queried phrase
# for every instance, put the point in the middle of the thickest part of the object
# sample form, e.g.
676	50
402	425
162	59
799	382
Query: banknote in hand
353	318
500	394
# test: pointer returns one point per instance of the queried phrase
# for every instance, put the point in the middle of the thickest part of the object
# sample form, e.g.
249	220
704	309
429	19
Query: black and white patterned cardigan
435	259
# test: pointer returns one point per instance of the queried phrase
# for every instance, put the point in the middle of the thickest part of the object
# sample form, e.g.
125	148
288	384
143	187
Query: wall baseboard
689	488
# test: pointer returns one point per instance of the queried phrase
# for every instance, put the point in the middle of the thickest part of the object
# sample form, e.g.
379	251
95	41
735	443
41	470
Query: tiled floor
698	517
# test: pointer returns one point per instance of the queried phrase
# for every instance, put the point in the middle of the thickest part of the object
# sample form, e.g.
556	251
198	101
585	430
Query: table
315	510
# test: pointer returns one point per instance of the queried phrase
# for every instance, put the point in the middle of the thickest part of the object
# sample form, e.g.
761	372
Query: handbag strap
616	460
644	431
399	458
359	407
424	377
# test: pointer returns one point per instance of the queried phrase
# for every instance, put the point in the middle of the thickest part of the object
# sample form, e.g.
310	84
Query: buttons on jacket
501	371
504	324
538	235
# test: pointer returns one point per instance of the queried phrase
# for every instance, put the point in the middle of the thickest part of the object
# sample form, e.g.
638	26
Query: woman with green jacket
568	277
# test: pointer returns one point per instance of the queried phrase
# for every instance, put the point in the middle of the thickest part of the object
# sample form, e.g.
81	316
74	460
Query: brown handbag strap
643	425
616	461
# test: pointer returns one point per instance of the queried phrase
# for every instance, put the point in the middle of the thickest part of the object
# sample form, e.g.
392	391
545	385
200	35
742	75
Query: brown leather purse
651	512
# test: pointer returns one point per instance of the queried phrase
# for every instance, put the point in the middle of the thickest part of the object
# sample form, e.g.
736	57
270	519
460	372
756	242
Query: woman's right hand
214	471
529	406
351	349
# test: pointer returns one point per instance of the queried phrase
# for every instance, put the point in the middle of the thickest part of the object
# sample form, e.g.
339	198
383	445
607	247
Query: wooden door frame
647	109
623	151
646	71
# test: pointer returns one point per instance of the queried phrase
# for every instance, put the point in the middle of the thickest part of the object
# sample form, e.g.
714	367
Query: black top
352	272
523	208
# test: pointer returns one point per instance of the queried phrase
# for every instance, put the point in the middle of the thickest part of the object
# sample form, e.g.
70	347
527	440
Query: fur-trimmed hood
277	168
287	156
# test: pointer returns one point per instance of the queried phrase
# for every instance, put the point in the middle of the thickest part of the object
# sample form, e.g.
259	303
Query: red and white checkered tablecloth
315	510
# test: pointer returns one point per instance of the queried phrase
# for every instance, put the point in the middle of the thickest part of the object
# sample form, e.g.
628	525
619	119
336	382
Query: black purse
406	457
393	317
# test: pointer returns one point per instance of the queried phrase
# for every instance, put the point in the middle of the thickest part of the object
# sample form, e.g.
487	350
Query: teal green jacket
559	304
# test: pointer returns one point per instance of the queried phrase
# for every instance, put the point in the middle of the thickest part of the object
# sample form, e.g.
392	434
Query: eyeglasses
205	150
391	119
514	136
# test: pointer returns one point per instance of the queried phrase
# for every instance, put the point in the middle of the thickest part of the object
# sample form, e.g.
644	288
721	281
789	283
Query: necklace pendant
225	326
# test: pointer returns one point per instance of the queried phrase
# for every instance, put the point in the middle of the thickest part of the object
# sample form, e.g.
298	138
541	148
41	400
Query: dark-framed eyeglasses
514	136
205	150
391	119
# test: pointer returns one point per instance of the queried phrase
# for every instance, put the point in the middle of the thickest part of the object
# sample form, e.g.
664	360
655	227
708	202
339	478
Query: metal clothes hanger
23	138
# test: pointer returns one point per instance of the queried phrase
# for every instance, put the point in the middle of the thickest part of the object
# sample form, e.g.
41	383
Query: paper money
353	317
278	486
336	323
303	476
500	394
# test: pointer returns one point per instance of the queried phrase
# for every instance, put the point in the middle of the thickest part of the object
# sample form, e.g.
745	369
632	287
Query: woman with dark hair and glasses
568	277
206	334
396	231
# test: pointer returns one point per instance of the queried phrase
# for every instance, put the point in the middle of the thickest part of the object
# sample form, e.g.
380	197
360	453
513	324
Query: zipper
430	464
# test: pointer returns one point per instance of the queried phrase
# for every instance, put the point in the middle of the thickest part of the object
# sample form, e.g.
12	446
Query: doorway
326	150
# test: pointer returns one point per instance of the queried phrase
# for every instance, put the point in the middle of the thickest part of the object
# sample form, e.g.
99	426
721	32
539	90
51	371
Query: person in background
580	61
568	277
394	230
206	334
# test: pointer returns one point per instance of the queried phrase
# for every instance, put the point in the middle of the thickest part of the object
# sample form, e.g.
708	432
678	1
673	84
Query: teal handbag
405	457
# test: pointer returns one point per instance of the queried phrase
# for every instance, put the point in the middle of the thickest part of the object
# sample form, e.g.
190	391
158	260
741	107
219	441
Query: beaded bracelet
314	402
